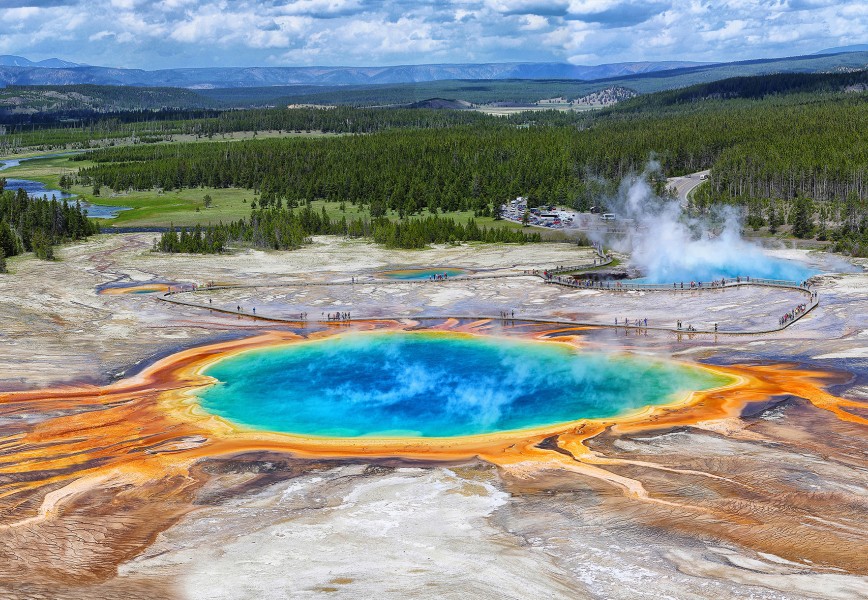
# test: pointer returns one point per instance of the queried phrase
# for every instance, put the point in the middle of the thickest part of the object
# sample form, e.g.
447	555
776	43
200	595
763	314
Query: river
36	189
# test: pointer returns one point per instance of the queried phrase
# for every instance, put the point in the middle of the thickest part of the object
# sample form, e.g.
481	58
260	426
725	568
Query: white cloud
534	22
23	13
167	33
729	30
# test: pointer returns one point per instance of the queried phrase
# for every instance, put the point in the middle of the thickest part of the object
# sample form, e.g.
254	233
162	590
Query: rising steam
667	245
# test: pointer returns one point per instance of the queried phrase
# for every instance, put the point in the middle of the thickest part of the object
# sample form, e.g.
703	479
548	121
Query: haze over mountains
28	87
842	49
8	60
20	71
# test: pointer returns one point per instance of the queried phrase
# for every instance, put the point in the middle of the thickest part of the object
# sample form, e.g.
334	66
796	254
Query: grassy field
185	208
46	170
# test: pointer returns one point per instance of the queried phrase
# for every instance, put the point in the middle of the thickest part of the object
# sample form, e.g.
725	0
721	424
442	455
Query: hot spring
707	268
422	273
668	245
435	384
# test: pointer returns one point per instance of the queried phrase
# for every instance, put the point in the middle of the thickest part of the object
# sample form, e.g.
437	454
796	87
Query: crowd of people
792	315
337	316
573	282
632	323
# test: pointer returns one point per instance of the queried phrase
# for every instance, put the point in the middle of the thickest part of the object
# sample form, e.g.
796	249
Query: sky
155	34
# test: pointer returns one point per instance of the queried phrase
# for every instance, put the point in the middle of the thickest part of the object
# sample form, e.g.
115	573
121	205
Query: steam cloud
668	246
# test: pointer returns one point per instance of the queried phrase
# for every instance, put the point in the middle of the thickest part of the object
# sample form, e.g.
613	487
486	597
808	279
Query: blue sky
153	34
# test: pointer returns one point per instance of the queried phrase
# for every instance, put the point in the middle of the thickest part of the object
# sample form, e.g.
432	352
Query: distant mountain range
28	88
841	49
16	70
8	60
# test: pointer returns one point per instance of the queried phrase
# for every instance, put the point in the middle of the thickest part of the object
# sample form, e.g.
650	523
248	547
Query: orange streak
135	289
150	427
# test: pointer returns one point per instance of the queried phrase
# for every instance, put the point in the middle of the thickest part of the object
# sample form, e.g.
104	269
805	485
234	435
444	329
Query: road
684	185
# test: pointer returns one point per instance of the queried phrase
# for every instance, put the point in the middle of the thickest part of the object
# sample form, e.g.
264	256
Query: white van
607	217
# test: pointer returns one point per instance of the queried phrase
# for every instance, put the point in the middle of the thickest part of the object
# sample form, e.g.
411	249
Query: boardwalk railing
680	286
550	276
603	260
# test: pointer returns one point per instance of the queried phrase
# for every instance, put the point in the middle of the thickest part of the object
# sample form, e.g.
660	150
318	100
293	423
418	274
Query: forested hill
84	131
777	147
525	85
528	91
95	99
778	84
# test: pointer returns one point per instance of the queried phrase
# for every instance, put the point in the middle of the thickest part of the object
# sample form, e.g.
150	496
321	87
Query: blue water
36	189
422	273
434	384
757	265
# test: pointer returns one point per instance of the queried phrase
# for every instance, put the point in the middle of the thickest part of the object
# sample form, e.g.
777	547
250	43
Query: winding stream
36	189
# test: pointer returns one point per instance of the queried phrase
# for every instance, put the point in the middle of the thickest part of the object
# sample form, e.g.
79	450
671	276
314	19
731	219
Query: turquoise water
422	273
434	385
712	259
765	268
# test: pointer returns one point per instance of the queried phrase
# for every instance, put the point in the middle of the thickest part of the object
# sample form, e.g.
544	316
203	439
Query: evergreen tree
775	220
37	224
803	217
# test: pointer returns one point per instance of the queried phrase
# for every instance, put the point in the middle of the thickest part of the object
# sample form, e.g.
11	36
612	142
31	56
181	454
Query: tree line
38	224
286	229
756	149
83	129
